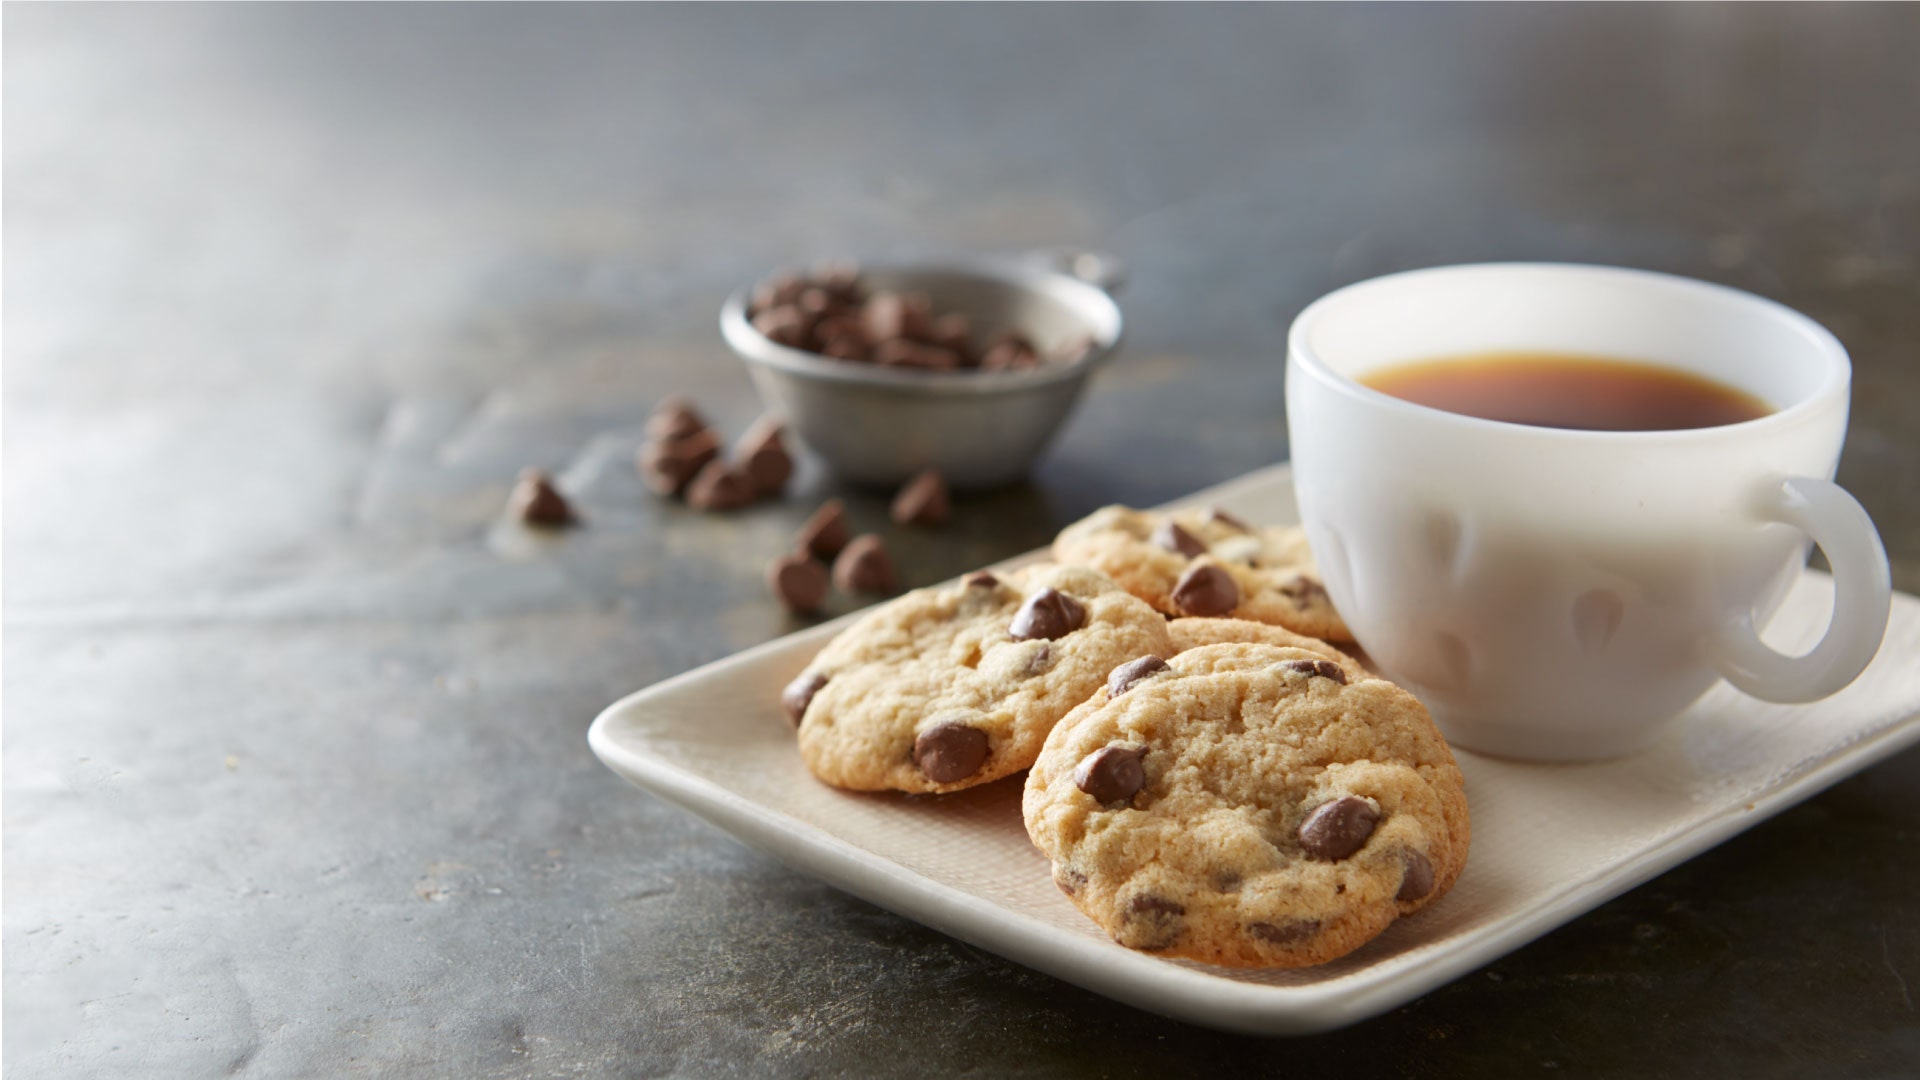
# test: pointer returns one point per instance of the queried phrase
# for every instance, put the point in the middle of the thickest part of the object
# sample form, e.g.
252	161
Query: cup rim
1835	376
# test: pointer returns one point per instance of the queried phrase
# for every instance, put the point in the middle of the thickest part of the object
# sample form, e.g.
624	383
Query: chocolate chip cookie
1194	633
1249	805
957	685
1206	563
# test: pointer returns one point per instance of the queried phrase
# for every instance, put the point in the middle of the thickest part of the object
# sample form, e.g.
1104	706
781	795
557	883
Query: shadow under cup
1561	594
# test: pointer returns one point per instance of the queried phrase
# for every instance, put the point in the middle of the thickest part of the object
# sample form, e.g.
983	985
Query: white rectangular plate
1549	841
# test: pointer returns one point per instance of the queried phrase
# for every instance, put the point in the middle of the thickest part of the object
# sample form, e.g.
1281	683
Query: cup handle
1862	597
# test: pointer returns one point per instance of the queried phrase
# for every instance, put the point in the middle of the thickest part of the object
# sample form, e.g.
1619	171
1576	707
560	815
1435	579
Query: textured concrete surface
295	773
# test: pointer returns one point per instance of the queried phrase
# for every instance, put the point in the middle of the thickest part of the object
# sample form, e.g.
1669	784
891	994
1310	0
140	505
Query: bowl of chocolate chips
969	368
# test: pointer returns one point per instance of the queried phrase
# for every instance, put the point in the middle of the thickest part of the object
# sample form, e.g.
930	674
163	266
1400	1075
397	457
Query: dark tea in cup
1568	390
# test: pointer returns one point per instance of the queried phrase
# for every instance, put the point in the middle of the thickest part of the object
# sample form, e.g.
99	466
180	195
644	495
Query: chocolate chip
783	289
1176	539
901	352
954	333
799	582
1339	828
980	579
1152	922
1069	880
1048	614
864	566
1326	669
1206	590
1155	905
1284	933
1417	880
846	348
1304	591
799	694
916	316
1215	514
674	418
884	316
537	502
786	325
762	456
825	533
1111	774
841	278
923	501
720	487
669	466
815	300
950	751
1122	678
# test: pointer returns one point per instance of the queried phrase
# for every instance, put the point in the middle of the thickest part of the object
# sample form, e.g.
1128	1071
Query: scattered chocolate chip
1048	614
1176	539
1111	774
799	694
1284	933
864	566
950	751
1221	516
1417	880
537	502
1069	880
1206	590
1339	828
1123	678
1326	669
674	418
762	456
825	533
980	579
668	467
923	501
799	582
720	486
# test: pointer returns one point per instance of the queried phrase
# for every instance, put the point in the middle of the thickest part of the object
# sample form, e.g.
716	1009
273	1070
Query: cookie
953	686
1248	805
1206	563
1194	633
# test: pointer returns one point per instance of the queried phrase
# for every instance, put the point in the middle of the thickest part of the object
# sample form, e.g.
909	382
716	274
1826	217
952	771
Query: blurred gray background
295	775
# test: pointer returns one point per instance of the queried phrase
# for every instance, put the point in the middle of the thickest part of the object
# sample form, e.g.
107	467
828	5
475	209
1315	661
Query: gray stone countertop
296	781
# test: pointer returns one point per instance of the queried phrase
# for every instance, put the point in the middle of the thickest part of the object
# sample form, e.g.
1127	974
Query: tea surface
1565	390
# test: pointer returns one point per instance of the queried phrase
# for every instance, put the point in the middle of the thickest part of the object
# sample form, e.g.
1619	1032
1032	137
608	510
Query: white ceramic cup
1556	594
